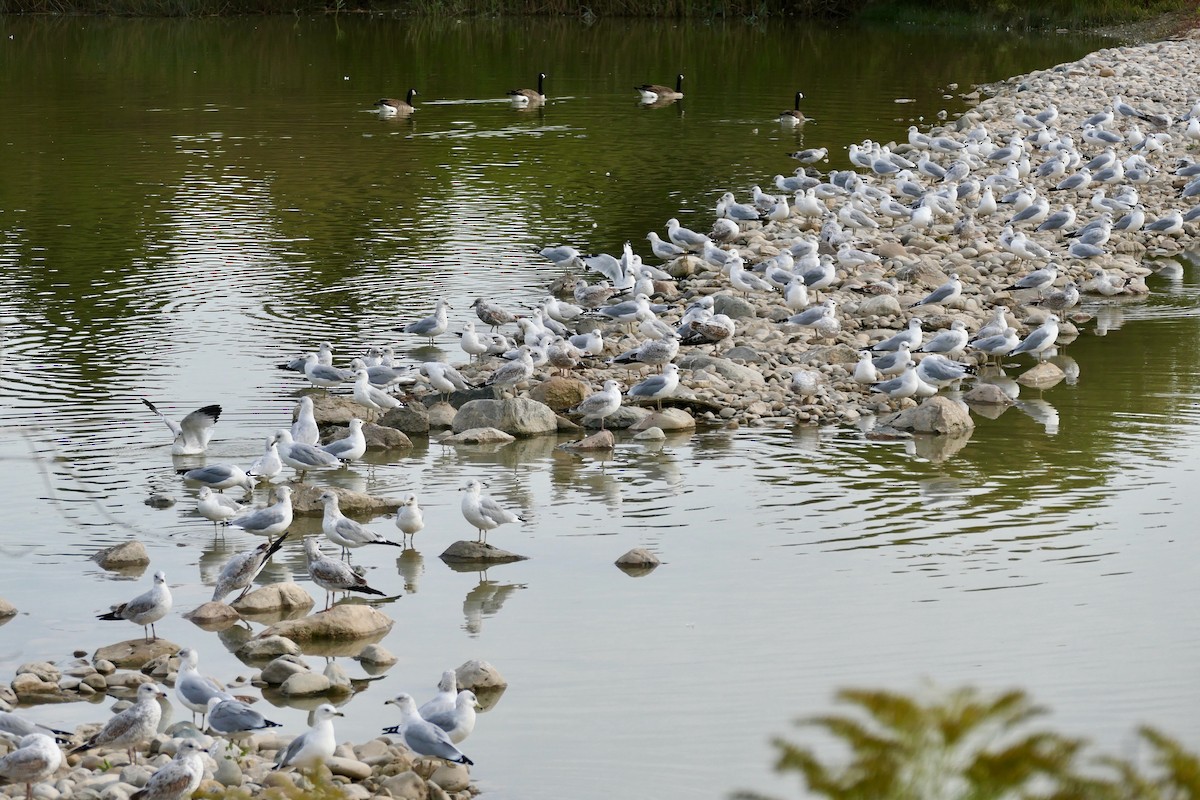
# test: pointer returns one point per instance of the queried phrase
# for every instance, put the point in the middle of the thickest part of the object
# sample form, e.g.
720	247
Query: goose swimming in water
653	92
527	97
391	107
793	116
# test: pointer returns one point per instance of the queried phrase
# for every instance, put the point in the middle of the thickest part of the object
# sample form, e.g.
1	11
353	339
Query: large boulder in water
518	416
935	415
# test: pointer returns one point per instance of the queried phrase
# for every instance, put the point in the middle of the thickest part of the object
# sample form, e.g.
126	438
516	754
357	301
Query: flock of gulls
1053	194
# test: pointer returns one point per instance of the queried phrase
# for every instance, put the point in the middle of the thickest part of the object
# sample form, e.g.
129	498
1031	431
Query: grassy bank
1021	14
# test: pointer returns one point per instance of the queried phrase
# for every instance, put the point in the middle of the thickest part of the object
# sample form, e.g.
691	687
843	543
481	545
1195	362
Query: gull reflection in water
485	600
1041	412
410	565
1069	366
1109	318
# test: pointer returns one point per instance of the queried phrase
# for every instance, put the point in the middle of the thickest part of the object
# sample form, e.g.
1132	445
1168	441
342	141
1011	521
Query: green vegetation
966	746
1011	13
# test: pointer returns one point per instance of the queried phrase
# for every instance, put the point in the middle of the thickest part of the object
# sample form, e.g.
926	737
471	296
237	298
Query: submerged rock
473	552
212	615
345	621
1042	376
135	653
602	440
479	436
638	562
479	675
275	597
123	556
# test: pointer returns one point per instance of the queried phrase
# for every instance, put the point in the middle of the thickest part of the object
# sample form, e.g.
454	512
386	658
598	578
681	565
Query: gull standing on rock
904	386
433	325
894	363
938	371
444	379
999	345
316	745
911	335
947	292
995	326
240	571
864	370
131	727
194	690
513	373
655	352
333	576
269	521
667	251
178	778
482	511
602	404
422	737
303	457
1040	340
350	447
344	531
683	237
305	429
948	342
1039	279
193	431
216	507
408	516
36	758
657	387
812	316
367	395
443	701
458	722
234	719
470	342
145	609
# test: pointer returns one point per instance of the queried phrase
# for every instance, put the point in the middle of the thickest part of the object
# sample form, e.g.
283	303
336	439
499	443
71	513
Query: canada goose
652	92
793	116
391	107
525	97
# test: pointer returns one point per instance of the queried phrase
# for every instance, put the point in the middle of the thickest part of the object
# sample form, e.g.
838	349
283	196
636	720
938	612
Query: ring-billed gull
267	465
910	335
145	609
305	429
470	342
864	370
482	511
269	521
998	345
350	447
36	758
131	727
529	97
443	701
234	719
394	107
313	747
600	404
344	531
592	295
513	373
219	477
653	92
216	507
657	387
333	576
1038	280
445	379
179	777
563	256
949	342
303	457
14	727
408	516
433	325
655	352
1062	299
324	377
939	371
240	571
945	293
422	737
194	690
906	385
684	237
811	316
367	395
995	326
894	363
1040	340
191	433
667	251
